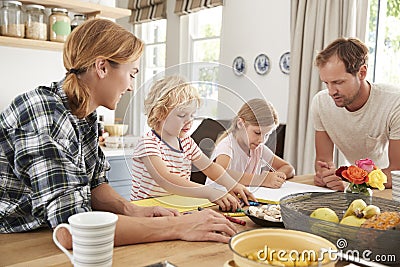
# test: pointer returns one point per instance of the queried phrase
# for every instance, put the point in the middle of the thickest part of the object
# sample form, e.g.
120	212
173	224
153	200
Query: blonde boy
163	158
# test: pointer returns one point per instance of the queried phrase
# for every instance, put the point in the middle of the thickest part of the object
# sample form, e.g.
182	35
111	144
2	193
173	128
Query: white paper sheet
274	195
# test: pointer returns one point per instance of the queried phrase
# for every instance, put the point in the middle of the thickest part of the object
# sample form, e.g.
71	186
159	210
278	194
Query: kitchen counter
116	152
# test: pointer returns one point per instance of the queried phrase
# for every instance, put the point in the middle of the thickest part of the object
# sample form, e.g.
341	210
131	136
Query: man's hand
388	174
325	176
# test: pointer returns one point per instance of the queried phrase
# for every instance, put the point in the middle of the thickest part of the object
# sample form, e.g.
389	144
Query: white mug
92	238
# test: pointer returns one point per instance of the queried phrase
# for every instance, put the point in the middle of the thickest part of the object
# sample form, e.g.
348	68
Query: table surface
37	248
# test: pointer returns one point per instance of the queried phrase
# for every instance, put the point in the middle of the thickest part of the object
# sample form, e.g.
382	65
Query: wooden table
37	248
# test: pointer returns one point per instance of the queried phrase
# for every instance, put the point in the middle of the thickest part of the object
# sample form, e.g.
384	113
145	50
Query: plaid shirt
49	161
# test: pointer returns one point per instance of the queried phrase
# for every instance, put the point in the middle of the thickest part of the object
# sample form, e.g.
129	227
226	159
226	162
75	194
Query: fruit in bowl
296	210
325	214
116	129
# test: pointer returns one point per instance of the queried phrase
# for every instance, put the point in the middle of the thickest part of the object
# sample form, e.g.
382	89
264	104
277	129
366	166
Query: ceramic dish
262	222
280	241
116	129
262	64
239	66
284	63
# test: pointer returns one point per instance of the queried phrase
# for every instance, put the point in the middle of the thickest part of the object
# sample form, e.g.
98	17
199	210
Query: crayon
235	220
235	214
254	203
251	203
237	210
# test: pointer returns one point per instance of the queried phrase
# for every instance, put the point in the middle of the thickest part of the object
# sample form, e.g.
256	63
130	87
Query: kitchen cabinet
90	9
119	176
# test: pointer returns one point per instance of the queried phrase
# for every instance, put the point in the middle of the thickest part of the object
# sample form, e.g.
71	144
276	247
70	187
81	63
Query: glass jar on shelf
35	24
11	16
59	24
78	20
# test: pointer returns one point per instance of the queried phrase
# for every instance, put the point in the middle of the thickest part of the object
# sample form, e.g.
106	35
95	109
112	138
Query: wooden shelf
83	7
90	9
32	44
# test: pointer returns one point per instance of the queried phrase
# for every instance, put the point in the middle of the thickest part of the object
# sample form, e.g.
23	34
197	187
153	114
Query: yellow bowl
287	241
116	129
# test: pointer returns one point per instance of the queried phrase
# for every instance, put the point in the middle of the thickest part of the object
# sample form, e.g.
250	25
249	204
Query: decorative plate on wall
239	66
262	64
284	63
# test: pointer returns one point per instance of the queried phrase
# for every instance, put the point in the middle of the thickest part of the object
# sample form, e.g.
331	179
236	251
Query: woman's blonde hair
255	112
165	95
96	38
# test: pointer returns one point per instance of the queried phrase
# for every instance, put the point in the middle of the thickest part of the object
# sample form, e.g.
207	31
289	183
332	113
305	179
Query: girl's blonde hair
165	95
96	38
255	112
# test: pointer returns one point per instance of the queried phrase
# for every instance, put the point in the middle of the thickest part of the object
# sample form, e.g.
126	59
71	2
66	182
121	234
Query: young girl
163	158
242	148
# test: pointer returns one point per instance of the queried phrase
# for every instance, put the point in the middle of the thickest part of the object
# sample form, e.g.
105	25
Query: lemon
325	214
353	221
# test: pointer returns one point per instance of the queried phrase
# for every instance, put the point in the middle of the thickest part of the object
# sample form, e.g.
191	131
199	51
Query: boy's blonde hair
255	112
167	94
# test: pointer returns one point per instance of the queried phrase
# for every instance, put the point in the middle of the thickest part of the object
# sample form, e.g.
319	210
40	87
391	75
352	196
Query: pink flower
365	164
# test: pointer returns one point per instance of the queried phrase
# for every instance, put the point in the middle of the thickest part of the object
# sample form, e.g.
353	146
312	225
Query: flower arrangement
363	175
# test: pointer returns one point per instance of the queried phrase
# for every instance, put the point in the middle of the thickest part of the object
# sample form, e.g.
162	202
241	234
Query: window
153	35
204	36
384	41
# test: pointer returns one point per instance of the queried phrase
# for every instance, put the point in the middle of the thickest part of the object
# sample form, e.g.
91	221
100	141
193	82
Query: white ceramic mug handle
71	258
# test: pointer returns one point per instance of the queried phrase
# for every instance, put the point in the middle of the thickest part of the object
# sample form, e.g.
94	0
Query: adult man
361	119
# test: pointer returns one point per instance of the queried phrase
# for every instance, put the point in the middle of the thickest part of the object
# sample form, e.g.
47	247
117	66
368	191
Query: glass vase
358	189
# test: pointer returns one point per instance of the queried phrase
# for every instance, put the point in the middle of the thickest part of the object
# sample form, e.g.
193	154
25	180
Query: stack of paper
270	195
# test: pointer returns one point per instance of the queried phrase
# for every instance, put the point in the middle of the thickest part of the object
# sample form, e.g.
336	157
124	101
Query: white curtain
314	24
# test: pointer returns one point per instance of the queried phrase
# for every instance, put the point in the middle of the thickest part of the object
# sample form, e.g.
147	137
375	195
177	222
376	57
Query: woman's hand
206	225
154	211
274	179
64	237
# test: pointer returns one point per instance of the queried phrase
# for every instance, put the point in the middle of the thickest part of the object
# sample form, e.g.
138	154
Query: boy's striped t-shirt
178	162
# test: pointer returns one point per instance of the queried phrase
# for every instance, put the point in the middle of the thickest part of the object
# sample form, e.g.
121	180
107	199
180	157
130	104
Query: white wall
248	29
24	69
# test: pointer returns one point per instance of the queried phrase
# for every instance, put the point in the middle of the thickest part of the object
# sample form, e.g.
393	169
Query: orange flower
355	175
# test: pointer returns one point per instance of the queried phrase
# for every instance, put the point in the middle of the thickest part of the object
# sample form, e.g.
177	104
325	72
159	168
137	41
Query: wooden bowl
116	129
